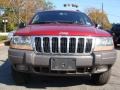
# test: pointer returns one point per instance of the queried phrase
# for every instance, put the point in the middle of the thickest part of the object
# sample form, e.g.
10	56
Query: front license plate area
63	64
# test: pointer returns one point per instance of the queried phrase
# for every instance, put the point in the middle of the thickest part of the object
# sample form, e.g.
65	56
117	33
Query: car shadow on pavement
44	82
5	73
41	81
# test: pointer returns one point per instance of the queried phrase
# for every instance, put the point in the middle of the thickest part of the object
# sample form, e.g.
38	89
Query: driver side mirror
22	25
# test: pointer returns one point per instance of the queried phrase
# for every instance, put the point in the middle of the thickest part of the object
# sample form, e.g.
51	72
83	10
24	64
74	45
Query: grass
3	38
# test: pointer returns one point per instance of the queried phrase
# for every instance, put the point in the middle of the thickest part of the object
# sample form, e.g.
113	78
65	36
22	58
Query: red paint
61	30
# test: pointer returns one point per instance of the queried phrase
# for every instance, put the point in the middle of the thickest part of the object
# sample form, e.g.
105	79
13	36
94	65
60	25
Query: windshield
61	17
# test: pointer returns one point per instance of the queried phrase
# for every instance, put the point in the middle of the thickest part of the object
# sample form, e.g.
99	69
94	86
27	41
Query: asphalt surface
55	83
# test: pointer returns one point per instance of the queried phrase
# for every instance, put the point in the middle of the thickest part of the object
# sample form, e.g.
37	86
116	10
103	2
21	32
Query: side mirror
22	25
99	26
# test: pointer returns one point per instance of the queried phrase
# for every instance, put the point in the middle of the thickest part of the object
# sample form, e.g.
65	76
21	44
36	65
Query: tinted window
61	17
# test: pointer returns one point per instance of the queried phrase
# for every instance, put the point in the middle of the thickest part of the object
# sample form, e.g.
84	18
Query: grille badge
63	33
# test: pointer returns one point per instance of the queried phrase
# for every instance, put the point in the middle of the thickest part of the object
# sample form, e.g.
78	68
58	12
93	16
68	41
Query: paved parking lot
55	83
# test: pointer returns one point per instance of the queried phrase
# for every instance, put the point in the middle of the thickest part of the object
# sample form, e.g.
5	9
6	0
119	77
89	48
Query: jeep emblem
63	33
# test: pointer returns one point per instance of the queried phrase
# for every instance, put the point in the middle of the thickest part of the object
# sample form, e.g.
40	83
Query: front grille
63	45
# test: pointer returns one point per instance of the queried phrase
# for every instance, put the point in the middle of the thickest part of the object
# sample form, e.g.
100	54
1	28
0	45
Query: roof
59	10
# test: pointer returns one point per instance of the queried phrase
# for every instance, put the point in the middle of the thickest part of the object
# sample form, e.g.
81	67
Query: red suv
61	43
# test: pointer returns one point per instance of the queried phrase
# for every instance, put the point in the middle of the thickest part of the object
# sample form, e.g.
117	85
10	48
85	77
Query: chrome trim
76	45
50	40
33	43
85	39
59	46
42	48
93	44
68	40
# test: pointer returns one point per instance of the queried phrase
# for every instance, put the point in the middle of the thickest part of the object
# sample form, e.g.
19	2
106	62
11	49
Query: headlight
103	43
21	42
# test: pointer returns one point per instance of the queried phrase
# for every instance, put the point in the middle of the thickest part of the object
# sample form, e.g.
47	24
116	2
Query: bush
10	27
2	38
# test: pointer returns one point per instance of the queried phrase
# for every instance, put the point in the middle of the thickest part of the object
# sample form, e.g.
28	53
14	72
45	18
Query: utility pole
102	13
4	18
5	23
102	8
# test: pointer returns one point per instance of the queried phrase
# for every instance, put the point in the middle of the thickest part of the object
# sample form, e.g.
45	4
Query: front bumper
31	62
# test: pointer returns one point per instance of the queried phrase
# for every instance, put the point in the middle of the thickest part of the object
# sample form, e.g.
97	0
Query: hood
61	30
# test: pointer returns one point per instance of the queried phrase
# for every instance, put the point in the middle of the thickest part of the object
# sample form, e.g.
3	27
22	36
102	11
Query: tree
99	17
48	6
22	10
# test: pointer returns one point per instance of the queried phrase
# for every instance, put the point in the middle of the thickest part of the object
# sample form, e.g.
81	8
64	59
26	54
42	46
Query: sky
111	7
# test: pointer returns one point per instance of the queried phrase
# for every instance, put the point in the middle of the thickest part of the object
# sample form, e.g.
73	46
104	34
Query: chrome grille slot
72	45
63	44
80	48
46	44
38	44
55	45
88	45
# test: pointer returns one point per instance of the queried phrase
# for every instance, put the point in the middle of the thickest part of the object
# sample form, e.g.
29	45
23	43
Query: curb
1	44
4	43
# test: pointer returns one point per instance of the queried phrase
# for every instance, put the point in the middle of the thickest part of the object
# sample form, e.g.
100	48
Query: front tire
102	78
20	77
115	45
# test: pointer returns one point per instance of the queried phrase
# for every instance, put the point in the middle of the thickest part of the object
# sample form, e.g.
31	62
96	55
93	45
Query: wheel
115	45
19	77
102	78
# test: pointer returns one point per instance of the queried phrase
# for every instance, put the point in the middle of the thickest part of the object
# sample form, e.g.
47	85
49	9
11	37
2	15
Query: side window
36	19
87	20
81	20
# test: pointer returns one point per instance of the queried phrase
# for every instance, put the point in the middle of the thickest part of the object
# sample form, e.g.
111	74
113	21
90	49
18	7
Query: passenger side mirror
98	26
22	25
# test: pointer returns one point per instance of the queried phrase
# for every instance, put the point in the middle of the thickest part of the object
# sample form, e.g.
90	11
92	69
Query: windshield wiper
44	22
68	22
56	22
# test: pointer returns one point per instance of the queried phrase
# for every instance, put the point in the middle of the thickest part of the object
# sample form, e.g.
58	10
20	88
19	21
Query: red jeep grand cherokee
62	43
